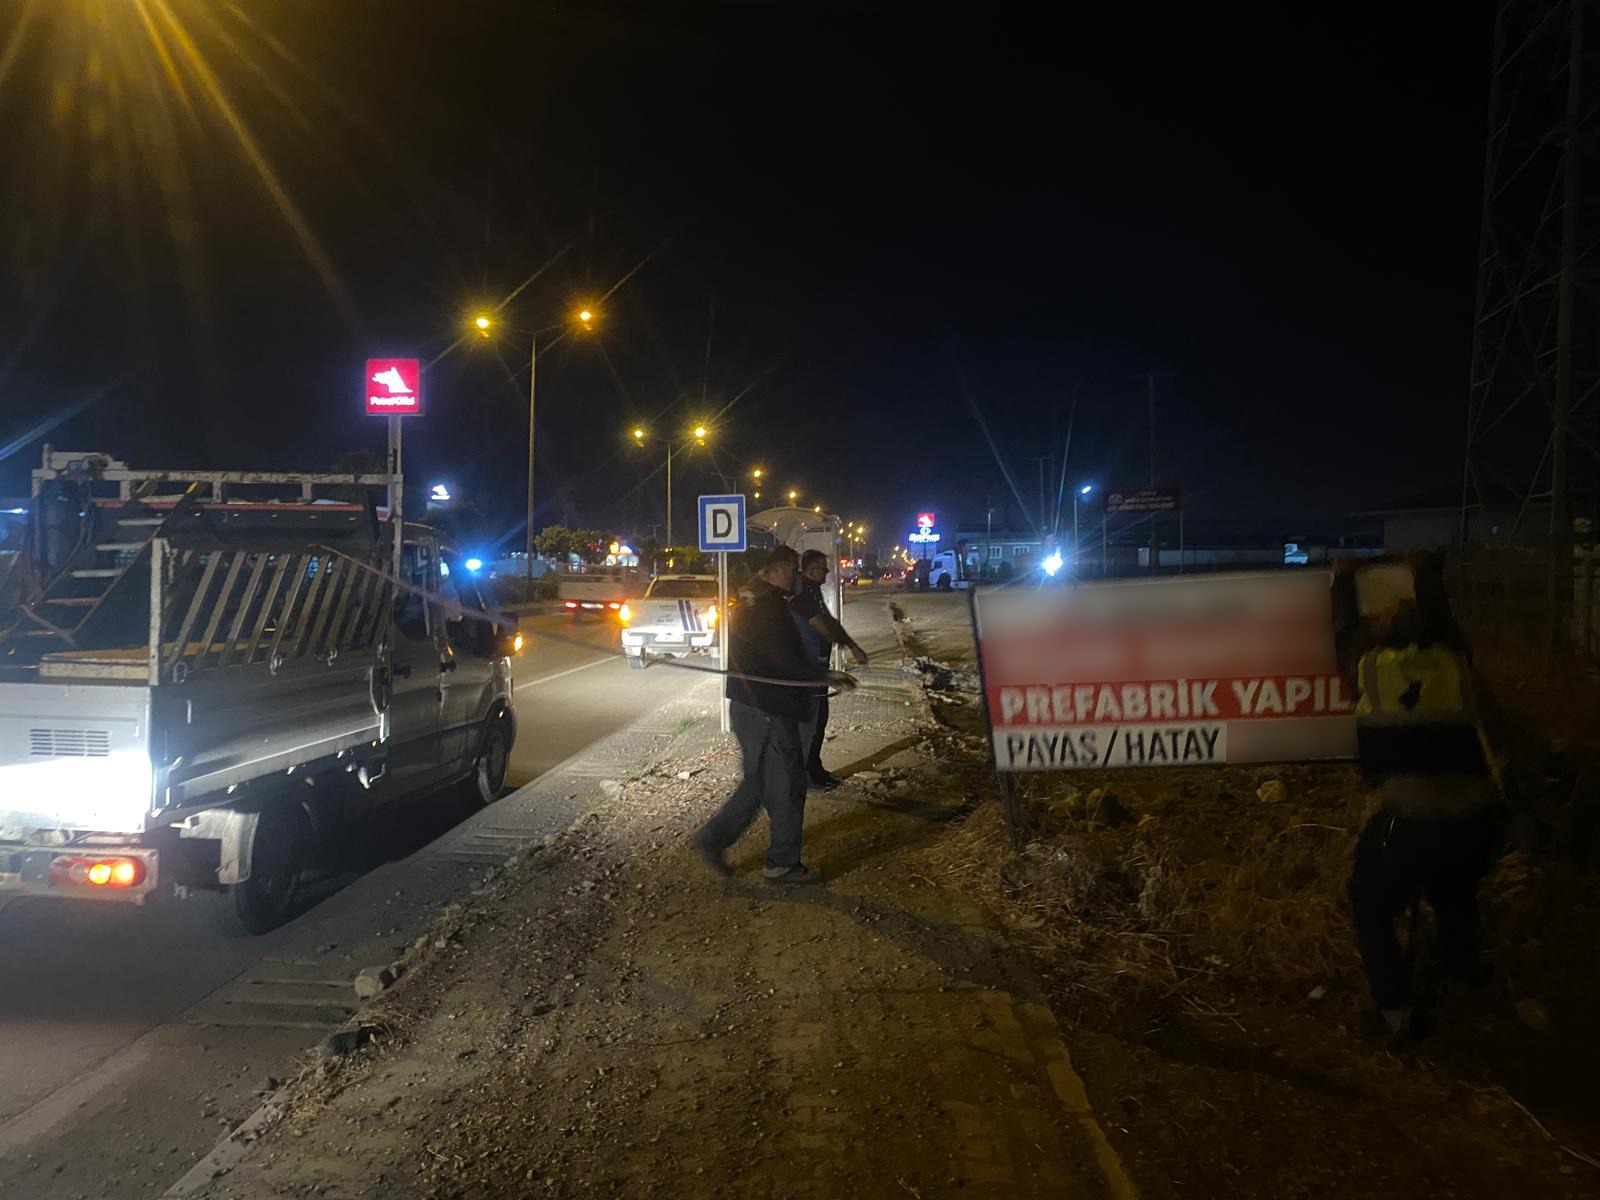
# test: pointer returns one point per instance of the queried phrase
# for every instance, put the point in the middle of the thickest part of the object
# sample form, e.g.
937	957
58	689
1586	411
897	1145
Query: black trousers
771	750
812	730
1400	860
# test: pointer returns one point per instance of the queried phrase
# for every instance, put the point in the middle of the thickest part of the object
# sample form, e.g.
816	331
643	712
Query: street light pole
533	380
1077	556
669	491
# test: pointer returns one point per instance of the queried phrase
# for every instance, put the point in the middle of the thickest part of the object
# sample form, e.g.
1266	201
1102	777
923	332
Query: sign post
393	389
722	532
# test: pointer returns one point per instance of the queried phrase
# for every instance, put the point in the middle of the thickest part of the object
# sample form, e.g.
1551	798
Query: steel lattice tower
1533	414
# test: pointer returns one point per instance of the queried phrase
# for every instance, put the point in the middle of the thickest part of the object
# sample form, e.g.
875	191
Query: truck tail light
710	616
112	872
625	614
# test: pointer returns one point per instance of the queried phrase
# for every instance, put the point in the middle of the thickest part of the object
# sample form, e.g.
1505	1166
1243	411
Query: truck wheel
944	583
488	776
277	855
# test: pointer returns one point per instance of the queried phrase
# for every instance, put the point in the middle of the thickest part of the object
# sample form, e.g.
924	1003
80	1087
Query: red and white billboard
394	387
1164	672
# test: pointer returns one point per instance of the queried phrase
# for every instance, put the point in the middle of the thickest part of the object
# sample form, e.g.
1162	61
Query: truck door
416	711
469	677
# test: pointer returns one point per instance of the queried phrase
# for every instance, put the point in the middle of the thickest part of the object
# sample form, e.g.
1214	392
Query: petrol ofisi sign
393	387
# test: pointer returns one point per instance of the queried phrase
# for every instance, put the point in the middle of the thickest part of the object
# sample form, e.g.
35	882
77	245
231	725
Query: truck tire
488	776
944	583
277	856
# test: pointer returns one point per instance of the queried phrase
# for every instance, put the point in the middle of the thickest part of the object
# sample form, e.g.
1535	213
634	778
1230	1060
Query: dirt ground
608	1018
1192	929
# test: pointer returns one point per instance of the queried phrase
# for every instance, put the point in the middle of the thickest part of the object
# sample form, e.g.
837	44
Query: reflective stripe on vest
1414	685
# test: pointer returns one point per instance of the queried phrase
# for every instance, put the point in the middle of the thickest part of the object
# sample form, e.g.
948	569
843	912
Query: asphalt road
574	686
128	1037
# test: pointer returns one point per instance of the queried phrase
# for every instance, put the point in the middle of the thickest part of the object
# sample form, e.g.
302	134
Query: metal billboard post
396	490
722	532
393	389
722	631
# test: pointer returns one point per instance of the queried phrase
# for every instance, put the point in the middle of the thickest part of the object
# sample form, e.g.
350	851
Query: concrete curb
1041	1026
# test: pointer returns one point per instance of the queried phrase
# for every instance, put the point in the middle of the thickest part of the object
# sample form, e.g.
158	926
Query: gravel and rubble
606	1018
1192	926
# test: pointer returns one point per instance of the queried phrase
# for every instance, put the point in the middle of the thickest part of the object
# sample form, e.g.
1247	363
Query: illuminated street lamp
1076	496
699	433
484	323
793	495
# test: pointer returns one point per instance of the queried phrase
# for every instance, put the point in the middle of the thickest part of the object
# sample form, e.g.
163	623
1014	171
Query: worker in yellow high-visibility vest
1419	724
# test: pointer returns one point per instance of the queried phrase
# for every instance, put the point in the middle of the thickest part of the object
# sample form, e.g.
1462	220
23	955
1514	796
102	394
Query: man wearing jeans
764	644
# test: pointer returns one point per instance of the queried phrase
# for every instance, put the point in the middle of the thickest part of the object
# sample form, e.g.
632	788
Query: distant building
1432	521
1122	548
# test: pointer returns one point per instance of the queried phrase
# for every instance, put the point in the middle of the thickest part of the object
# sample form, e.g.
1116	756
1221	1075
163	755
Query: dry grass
1142	892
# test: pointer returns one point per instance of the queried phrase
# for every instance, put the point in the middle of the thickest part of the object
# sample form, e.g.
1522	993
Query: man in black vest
765	709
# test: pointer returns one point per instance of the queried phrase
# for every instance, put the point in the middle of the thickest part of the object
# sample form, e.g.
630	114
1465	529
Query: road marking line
562	674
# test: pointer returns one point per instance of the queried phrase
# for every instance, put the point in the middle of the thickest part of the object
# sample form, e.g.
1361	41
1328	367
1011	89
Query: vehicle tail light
517	642
114	872
710	616
625	614
613	605
572	604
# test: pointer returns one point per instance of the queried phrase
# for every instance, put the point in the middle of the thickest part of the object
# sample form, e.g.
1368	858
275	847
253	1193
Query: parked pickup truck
199	692
598	591
677	617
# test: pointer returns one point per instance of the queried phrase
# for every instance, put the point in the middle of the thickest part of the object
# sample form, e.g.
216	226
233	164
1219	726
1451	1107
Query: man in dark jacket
765	709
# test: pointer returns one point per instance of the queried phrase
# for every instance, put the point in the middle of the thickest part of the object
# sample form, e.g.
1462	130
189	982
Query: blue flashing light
1052	564
474	564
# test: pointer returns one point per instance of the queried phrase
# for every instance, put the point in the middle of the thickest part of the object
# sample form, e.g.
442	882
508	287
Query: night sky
845	232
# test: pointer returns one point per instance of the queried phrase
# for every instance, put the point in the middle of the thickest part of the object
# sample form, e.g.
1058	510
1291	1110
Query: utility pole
988	536
1150	378
1045	524
533	381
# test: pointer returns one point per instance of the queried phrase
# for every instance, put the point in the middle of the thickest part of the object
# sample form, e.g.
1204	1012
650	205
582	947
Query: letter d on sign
721	524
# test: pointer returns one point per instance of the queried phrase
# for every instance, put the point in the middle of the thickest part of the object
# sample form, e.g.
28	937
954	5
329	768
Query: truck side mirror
505	640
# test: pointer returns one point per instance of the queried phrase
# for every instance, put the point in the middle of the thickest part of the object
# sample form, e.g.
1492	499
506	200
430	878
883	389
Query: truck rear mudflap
127	874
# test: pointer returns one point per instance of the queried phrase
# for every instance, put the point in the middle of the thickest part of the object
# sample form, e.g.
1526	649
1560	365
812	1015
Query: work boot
797	874
825	782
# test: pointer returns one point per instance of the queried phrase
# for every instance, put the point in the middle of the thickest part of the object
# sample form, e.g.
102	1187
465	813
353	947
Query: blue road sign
722	524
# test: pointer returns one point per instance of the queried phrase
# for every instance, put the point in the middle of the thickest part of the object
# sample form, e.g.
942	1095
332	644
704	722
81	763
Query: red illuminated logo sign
394	387
925	521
